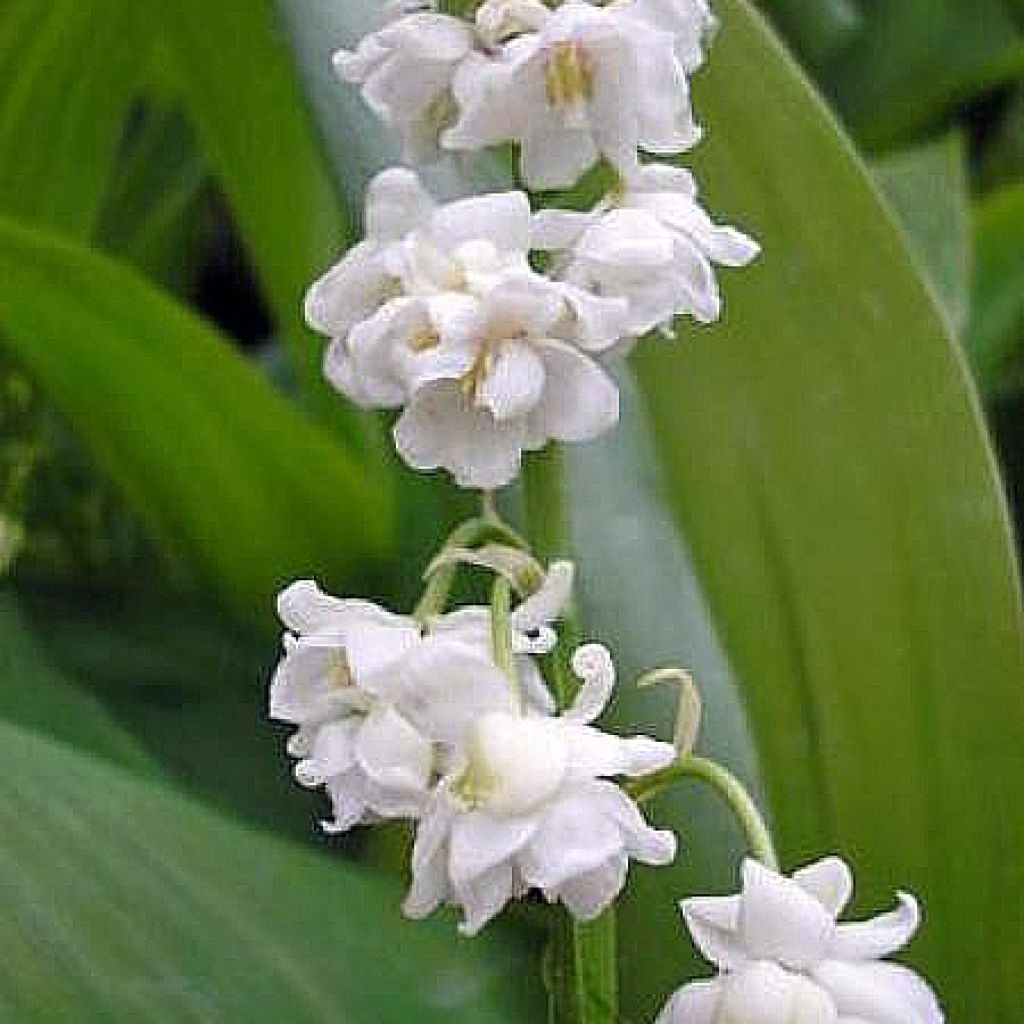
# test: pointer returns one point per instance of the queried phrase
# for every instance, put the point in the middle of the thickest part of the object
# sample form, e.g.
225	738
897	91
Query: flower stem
735	794
581	969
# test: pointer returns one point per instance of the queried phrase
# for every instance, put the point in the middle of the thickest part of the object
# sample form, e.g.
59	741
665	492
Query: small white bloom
333	683
690	23
650	243
529	806
784	959
590	82
503	384
406	71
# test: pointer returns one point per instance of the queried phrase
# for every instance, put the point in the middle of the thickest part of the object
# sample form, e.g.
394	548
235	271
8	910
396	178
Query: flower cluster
784	959
490	323
442	311
403	719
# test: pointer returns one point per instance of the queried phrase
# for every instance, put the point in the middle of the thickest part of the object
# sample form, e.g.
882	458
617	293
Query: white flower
529	806
376	696
591	82
784	959
690	22
650	243
440	312
504	383
332	683
406	71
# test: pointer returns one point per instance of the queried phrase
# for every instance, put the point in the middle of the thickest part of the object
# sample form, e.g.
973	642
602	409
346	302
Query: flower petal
588	895
780	921
440	429
694	1003
879	992
483	898
829	881
593	665
481	841
580	400
713	923
882	935
502	218
547	604
392	753
514	382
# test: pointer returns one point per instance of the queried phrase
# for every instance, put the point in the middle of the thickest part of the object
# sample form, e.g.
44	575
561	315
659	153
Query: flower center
339	671
424	339
570	76
515	764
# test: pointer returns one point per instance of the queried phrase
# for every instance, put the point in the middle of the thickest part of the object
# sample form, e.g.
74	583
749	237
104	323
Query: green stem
741	803
581	961
471	533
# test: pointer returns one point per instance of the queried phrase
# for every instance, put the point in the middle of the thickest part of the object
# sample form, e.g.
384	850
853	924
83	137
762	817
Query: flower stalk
735	794
581	961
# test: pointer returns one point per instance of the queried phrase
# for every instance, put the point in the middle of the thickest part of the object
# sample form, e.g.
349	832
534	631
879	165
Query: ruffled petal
480	842
444	686
588	895
514	382
713	923
441	429
580	400
502	218
882	935
593	666
781	921
392	753
484	897
648	845
829	881
694	1003
879	992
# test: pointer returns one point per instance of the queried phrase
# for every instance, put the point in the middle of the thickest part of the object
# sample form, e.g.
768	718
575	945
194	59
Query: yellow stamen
570	75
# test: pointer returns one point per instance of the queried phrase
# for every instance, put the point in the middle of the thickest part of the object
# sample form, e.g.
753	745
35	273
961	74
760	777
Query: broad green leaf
151	212
235	70
35	693
996	338
825	458
238	486
189	686
69	70
927	187
125	902
641	596
912	61
818	30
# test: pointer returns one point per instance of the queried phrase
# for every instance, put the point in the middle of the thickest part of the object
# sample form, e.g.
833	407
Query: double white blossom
590	82
784	959
356	680
650	243
570	85
438	311
529	806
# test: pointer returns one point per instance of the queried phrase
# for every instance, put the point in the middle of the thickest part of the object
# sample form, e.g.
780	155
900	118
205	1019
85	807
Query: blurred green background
809	504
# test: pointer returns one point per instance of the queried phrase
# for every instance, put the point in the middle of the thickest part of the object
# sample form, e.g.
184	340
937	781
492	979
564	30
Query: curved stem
735	794
471	533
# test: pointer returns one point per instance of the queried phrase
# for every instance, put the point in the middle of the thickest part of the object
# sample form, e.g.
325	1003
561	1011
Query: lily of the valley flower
379	700
650	243
590	82
439	311
332	683
784	959
529	806
406	71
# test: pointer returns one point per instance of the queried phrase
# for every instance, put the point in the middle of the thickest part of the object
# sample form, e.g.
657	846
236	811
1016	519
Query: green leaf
817	30
912	61
70	70
188	686
825	458
640	594
37	694
237	485
125	902
927	187
241	87
995	341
